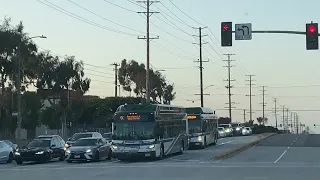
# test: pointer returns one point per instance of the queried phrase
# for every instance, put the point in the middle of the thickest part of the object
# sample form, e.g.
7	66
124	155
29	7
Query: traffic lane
269	150
304	150
298	155
208	154
169	171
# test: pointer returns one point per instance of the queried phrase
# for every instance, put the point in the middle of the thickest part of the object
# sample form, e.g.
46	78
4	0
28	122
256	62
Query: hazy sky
279	61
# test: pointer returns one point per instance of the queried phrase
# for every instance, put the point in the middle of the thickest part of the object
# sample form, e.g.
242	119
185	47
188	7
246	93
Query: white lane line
280	156
225	143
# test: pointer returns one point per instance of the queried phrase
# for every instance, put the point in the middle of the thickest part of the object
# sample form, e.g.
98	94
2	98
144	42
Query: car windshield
235	125
224	125
107	136
134	130
86	142
194	126
77	136
39	143
220	128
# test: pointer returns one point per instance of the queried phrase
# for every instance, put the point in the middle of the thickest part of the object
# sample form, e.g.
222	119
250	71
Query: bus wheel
181	147
204	143
215	140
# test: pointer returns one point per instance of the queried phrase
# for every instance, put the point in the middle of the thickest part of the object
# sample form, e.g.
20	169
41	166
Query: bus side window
204	126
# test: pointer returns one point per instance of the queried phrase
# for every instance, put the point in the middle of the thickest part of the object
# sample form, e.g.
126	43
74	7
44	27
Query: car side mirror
53	145
69	139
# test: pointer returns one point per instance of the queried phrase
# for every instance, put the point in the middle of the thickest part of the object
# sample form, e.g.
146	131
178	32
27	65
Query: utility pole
19	97
263	103
148	14
275	111
229	81
244	115
291	122
201	61
250	94
283	118
297	122
287	118
116	79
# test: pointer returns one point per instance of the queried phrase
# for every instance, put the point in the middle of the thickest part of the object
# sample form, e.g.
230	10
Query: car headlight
151	146
199	138
17	153
114	147
88	151
68	151
227	130
237	129
40	152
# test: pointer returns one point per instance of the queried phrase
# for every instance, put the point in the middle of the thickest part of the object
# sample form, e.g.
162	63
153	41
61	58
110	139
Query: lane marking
280	156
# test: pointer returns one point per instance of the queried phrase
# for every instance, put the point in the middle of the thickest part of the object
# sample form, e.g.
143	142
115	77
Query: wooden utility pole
148	14
115	79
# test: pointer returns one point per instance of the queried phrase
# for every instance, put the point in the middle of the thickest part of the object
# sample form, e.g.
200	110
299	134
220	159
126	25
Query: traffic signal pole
279	32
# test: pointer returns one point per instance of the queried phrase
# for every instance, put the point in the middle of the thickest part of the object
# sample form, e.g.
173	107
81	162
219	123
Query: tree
262	120
55	79
133	73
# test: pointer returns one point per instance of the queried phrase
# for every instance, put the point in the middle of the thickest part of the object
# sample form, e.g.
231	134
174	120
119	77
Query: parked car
78	136
89	149
222	132
6	152
40	150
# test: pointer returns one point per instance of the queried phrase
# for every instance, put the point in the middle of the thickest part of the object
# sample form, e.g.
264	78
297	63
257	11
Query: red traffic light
312	29
225	27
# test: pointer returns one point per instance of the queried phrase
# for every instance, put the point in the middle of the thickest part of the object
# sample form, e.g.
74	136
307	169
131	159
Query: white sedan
222	132
246	131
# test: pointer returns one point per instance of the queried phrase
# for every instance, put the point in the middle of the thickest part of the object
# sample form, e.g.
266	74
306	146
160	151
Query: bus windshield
134	130
194	126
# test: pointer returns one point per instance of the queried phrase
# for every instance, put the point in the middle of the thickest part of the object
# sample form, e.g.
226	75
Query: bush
259	129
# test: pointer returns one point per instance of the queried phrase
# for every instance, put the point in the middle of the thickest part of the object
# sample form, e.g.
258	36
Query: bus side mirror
114	127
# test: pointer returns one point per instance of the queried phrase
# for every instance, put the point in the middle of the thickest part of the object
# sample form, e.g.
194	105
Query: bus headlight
151	146
199	138
68	151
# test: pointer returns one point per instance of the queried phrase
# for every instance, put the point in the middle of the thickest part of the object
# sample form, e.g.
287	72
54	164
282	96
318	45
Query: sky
109	34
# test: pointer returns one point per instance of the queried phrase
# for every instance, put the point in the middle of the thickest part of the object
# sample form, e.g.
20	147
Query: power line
70	14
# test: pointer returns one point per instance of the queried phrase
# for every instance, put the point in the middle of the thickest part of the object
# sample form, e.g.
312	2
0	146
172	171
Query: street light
19	88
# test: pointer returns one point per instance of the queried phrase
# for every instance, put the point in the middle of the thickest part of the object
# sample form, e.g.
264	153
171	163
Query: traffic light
312	36
314	125
226	34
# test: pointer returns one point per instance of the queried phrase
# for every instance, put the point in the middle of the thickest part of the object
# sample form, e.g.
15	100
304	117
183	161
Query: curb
233	152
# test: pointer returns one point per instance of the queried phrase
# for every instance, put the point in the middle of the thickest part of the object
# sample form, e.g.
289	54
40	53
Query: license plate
147	155
76	156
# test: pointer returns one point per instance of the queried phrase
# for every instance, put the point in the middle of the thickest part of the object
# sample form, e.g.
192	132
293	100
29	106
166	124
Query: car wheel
97	156
62	157
109	154
10	159
19	161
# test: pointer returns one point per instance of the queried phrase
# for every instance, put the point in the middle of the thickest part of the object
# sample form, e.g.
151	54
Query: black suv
237	129
41	150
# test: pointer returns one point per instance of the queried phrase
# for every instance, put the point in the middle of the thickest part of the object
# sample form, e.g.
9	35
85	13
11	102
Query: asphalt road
236	168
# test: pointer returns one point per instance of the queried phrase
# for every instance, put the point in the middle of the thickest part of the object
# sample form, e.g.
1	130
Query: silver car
222	132
6	152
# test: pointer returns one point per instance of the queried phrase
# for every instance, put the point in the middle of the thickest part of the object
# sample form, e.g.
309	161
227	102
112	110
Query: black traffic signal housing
226	34
314	125
312	40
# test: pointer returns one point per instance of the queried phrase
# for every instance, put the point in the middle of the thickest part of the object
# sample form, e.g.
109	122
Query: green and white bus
203	126
149	130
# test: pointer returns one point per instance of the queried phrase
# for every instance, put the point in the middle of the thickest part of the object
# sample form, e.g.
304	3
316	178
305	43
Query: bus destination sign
192	117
